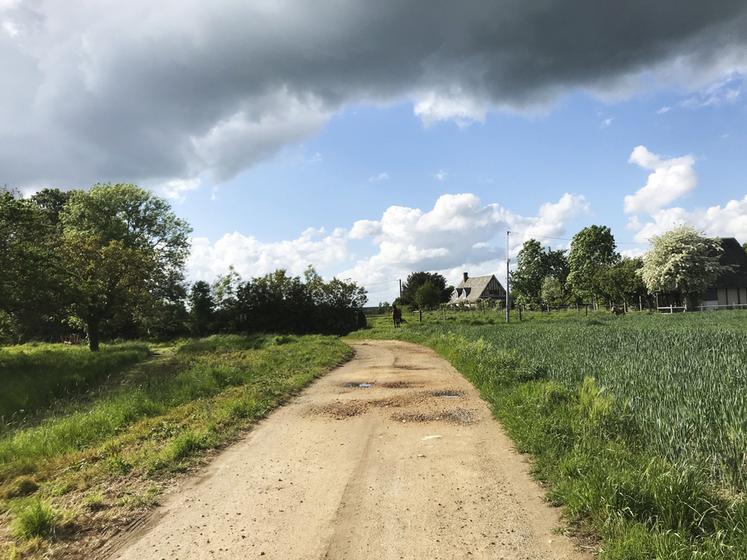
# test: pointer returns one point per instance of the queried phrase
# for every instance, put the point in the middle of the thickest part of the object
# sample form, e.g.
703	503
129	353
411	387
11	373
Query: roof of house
476	285
735	256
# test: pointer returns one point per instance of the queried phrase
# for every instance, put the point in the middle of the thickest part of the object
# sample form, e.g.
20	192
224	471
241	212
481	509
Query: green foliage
201	308
428	296
592	250
123	249
534	265
637	423
681	261
553	291
37	519
621	282
417	279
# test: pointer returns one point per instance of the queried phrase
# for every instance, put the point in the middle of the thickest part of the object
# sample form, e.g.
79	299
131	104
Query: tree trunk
93	334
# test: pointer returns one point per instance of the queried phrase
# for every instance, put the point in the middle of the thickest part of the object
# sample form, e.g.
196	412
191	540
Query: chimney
466	276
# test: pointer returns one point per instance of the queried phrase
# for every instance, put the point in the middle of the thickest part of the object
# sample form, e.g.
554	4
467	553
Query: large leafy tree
682	262
526	280
416	279
592	250
428	296
31	289
534	265
622	283
123	249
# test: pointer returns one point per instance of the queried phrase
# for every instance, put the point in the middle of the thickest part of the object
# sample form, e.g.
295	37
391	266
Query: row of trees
680	263
109	262
276	302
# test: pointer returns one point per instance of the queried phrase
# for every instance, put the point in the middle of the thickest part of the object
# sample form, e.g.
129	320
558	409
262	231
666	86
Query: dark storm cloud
152	90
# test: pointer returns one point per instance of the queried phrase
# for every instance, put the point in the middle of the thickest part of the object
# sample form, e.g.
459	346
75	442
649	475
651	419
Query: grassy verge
35	375
554	384
78	475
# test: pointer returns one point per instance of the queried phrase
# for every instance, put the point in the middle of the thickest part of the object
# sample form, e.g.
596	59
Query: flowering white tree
683	262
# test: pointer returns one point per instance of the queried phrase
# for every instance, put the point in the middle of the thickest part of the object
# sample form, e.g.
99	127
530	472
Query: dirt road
392	456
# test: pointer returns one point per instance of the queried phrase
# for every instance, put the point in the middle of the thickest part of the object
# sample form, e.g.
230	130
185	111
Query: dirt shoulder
393	455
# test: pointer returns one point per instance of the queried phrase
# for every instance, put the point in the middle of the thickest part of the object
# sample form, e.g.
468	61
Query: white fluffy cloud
457	107
459	232
251	257
669	180
176	189
729	220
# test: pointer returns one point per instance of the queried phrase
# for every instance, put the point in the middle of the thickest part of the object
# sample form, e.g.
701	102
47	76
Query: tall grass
35	375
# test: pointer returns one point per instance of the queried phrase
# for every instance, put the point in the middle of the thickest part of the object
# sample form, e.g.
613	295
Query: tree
121	245
417	279
201	308
622	282
31	290
526	280
683	263
534	265
427	296
553	292
278	302
592	250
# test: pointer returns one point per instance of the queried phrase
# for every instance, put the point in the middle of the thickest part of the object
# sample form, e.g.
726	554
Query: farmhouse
731	287
477	288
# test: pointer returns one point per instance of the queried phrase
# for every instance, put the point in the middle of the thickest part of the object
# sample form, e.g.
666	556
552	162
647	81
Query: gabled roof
476	285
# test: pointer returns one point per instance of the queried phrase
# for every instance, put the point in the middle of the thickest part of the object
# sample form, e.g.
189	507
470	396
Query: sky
373	139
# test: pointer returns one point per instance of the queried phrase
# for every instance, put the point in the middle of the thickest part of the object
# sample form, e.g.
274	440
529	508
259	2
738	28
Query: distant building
478	288
730	287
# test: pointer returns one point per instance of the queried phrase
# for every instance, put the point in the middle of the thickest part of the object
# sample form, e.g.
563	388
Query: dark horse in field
396	316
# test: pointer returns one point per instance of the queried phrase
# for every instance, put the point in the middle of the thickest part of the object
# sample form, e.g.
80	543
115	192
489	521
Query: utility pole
400	288
508	261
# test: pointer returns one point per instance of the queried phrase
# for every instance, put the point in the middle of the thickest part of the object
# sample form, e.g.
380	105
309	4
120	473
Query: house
478	288
731	287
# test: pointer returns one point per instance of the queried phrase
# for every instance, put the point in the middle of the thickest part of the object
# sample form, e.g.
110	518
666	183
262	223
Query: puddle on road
357	385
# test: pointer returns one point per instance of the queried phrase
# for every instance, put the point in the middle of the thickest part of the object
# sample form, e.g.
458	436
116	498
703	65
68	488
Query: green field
89	457
639	423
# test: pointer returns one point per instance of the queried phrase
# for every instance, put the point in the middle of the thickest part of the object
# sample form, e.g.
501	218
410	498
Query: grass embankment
33	376
86	467
638	424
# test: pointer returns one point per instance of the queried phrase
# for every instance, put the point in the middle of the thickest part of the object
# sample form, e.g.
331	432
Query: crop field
639	422
85	460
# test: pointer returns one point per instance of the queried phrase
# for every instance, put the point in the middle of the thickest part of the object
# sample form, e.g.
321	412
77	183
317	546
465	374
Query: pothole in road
455	416
357	385
448	394
397	385
342	410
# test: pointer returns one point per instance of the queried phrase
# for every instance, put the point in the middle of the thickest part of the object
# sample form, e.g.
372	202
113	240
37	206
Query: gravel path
392	456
